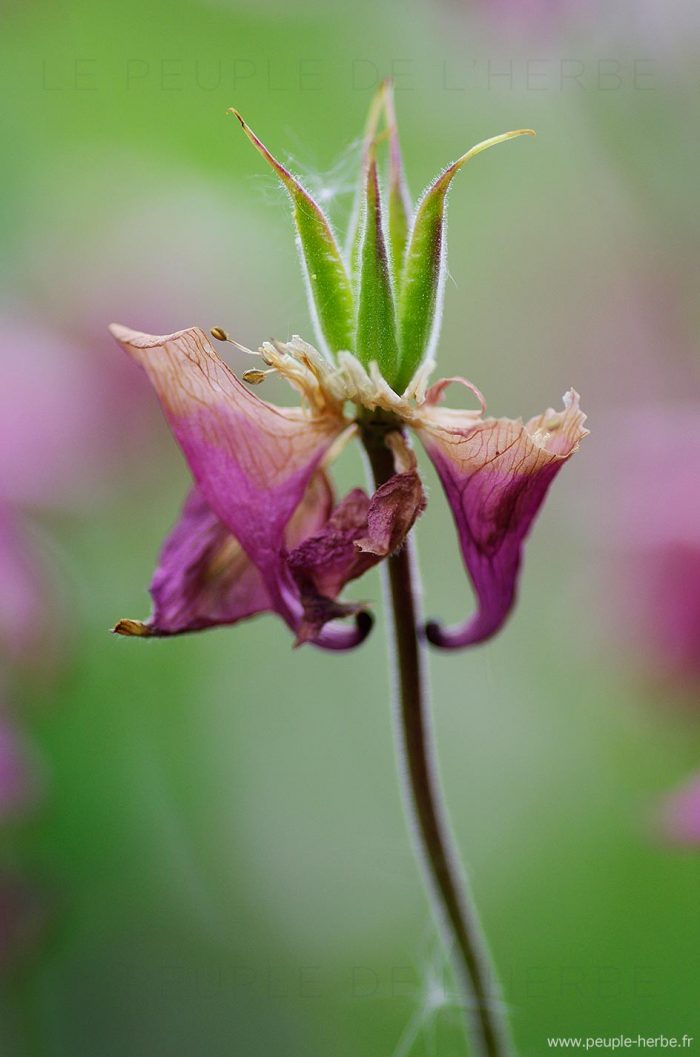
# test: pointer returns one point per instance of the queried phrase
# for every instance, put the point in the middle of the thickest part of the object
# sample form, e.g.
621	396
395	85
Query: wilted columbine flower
260	530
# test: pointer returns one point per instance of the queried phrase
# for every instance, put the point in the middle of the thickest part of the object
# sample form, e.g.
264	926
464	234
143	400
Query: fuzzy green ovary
376	314
399	221
331	292
419	288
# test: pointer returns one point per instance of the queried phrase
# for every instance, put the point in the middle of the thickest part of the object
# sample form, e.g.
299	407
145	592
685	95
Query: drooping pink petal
359	534
252	461
204	577
680	814
495	473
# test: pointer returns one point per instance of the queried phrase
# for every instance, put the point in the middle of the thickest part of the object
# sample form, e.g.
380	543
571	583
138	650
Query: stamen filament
221	335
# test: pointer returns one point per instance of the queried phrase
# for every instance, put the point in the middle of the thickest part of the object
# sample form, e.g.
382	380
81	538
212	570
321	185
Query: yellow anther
255	377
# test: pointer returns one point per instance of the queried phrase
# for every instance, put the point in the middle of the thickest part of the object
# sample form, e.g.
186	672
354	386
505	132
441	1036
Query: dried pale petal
324	563
358	535
496	473
330	291
422	278
395	505
252	461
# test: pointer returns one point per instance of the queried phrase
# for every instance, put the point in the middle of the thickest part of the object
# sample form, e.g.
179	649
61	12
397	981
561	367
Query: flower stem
452	901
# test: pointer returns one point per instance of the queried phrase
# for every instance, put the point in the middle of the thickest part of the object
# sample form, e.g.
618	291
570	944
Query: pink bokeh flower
63	423
658	539
641	21
680	814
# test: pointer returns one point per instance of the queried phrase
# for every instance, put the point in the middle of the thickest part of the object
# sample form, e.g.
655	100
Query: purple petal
495	473
358	535
204	577
252	461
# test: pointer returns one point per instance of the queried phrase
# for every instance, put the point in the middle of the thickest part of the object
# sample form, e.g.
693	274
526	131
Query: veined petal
204	577
496	473
252	461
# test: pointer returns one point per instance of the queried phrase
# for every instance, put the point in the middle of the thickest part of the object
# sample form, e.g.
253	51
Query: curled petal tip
496	474
119	331
435	635
493	141
364	622
457	637
334	638
132	629
516	132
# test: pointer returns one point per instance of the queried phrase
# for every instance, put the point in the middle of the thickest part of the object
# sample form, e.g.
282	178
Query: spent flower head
261	529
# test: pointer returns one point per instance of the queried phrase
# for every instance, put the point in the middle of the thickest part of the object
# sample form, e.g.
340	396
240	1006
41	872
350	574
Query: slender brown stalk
453	904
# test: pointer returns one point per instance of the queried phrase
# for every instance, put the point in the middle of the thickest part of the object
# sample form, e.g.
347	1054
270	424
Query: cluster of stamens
325	386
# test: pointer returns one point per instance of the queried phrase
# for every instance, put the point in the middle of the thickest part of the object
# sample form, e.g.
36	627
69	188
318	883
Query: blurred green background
216	861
